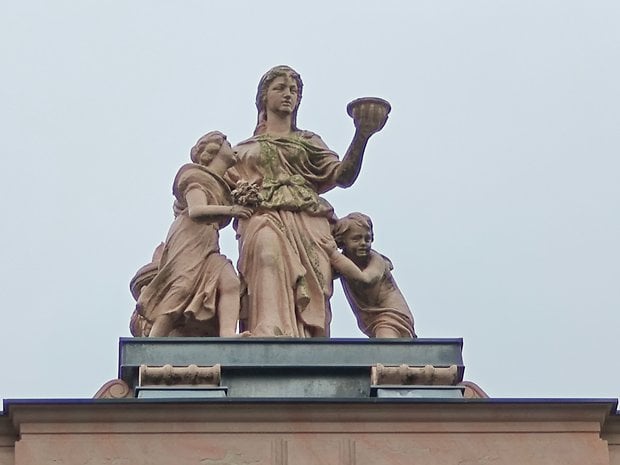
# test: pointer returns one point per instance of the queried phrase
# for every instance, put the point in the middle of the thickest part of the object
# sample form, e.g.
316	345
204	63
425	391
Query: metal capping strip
281	353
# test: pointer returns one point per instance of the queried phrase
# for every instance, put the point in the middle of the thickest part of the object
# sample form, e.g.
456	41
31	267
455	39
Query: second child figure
196	289
366	277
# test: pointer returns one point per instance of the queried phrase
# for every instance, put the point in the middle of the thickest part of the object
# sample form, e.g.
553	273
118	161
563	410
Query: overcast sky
493	187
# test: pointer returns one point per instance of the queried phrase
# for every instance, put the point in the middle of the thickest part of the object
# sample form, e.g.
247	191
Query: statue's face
357	241
282	95
227	154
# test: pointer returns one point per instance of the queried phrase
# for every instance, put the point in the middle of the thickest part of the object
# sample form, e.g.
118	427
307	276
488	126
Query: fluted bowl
369	113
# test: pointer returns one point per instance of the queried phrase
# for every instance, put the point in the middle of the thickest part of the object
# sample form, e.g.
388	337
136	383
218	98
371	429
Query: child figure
195	291
366	278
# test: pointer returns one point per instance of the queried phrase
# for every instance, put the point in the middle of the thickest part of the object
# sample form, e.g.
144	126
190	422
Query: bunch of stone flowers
247	194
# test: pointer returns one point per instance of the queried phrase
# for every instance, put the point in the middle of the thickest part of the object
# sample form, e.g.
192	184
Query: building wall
611	434
7	442
305	433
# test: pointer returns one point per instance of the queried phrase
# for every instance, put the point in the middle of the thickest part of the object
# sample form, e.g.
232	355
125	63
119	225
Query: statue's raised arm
369	115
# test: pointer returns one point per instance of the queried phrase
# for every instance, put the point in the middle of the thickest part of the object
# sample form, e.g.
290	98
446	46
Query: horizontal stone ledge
271	415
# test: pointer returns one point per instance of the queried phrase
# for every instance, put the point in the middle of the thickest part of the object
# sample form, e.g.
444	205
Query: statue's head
207	147
354	226
261	94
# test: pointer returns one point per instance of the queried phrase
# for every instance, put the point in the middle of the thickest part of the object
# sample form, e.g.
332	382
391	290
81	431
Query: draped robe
286	275
186	281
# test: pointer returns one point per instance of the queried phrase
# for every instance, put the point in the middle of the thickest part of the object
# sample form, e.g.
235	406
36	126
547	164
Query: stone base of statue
251	401
291	368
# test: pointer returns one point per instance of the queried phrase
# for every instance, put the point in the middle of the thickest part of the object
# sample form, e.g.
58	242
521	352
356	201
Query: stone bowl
369	112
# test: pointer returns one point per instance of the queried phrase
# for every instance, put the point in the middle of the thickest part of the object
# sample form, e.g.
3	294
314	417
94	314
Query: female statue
286	274
195	290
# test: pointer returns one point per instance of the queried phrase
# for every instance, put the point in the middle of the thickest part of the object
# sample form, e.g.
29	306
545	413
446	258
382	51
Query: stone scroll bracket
180	381
415	381
114	389
158	379
168	375
407	375
473	391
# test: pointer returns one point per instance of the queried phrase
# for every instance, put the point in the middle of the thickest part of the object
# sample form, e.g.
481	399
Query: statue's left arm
199	208
351	165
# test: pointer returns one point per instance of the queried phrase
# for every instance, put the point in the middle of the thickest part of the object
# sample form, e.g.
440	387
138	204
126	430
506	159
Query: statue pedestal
291	368
302	402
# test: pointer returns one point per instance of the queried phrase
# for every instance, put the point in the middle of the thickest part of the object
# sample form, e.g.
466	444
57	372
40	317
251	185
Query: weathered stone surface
509	432
273	190
611	434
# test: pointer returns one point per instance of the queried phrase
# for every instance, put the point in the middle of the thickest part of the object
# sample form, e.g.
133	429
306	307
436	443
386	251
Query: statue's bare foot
245	334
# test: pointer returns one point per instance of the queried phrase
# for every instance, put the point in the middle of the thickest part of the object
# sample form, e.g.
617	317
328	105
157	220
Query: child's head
209	146
354	235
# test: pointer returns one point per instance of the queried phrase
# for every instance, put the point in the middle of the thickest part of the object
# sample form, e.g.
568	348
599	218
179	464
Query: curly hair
196	154
345	223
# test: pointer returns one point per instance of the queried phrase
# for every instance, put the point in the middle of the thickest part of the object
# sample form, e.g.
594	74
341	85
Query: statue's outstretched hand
366	127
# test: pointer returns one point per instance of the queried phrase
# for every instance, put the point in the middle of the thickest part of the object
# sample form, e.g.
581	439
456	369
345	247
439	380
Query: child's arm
198	208
371	274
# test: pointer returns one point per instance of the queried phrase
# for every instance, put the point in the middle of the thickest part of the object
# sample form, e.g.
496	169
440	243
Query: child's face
227	154
357	241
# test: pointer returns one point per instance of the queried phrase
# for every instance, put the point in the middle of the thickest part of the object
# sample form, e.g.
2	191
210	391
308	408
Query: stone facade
360	432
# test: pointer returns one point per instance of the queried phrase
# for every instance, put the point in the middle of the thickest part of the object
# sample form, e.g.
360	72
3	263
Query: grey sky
493	187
